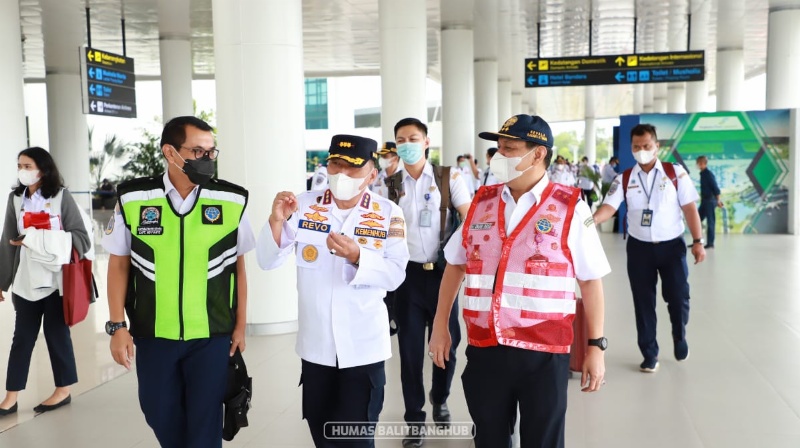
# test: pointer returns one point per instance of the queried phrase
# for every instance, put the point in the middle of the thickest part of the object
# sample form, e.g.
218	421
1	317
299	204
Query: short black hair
702	159
585	159
613	159
547	157
174	132
51	179
459	158
644	128
411	122
491	152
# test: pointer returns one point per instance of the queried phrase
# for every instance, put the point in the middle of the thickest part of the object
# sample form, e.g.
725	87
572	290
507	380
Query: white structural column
458	88
517	59
676	91
261	117
403	62
589	136
647	98
697	91
12	111
660	89
504	53
485	41
64	31
175	56
783	55
638	98
730	54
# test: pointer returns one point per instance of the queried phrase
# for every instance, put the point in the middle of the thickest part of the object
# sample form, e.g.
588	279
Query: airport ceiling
341	38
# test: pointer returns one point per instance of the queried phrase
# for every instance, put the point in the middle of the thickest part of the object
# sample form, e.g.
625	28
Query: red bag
79	289
37	220
580	339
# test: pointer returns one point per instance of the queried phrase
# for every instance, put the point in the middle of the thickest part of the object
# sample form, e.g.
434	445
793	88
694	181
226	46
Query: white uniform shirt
342	316
379	186
608	174
563	176
588	257
423	242
117	238
665	202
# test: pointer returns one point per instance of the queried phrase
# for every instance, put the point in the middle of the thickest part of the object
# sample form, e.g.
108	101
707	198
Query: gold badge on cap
345	145
510	122
310	253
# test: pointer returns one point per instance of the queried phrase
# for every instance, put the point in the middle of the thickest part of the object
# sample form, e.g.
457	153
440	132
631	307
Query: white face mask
28	177
384	163
344	187
505	168
644	156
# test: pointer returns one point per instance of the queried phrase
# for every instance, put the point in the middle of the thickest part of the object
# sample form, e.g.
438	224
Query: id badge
647	218
425	218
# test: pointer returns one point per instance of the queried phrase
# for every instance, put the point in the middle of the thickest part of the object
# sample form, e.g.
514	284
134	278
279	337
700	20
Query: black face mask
199	171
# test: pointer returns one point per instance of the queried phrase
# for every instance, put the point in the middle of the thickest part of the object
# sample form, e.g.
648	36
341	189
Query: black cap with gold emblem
530	128
352	149
387	148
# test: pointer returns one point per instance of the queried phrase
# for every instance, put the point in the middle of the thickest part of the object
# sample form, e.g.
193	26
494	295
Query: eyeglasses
199	152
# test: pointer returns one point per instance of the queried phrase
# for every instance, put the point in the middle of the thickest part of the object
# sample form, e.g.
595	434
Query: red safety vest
520	288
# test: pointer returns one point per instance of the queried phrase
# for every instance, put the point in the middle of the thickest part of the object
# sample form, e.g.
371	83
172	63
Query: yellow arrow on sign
90	55
531	65
620	60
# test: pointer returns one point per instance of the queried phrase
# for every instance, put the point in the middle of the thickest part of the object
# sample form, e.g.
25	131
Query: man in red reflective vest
522	247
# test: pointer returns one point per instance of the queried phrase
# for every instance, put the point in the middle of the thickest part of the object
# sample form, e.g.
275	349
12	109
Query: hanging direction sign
108	83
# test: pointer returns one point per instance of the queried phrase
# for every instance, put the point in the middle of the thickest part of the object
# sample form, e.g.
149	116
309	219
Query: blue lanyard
652	185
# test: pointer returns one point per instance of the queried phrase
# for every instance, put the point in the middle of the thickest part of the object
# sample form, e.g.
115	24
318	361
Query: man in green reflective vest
176	267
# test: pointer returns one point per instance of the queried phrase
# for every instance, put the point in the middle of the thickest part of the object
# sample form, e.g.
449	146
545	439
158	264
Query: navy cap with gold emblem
530	128
387	148
352	149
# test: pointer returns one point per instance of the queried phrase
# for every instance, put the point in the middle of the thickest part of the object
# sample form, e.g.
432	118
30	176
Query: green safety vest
182	283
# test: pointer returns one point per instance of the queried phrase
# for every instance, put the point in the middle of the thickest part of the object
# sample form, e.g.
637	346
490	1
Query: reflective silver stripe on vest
145	267
142	195
217	265
540	282
538	304
478	281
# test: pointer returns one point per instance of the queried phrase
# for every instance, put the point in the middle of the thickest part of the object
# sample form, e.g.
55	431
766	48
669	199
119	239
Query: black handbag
237	397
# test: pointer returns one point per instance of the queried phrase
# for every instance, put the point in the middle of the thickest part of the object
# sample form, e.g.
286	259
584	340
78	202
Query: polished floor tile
738	388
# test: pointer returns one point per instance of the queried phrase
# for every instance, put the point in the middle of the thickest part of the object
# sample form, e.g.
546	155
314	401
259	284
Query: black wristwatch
600	342
112	327
698	241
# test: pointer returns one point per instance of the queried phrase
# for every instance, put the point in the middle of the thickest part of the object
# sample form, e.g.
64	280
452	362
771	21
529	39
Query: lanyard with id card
425	214
647	214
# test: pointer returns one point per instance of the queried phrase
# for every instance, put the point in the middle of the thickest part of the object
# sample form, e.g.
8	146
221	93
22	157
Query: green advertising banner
748	152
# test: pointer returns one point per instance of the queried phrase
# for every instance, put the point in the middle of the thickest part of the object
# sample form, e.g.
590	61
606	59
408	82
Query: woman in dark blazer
35	295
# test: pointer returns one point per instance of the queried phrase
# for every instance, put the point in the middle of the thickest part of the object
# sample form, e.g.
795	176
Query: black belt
429	266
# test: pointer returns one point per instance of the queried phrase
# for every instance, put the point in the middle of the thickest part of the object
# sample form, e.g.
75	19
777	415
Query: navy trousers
646	261
56	335
498	378
708	211
415	307
181	388
332	396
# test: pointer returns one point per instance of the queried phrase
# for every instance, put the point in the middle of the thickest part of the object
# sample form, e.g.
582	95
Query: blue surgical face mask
410	152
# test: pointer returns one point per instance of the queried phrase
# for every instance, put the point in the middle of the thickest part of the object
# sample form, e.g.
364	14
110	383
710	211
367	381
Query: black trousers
332	395
181	388
645	262
56	335
708	211
415	306
498	378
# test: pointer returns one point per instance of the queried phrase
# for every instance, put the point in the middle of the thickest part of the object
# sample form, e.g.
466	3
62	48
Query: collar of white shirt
176	198
427	170
536	191
638	168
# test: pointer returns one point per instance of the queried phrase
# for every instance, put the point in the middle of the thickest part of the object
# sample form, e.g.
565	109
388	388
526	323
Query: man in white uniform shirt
351	248
420	200
656	193
487	178
390	164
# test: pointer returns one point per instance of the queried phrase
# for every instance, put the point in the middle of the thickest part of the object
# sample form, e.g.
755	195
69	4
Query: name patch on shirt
315	226
372	233
481	226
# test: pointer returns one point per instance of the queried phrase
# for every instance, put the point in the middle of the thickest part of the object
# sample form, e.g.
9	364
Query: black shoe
708	246
50	407
441	413
414	442
9	411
